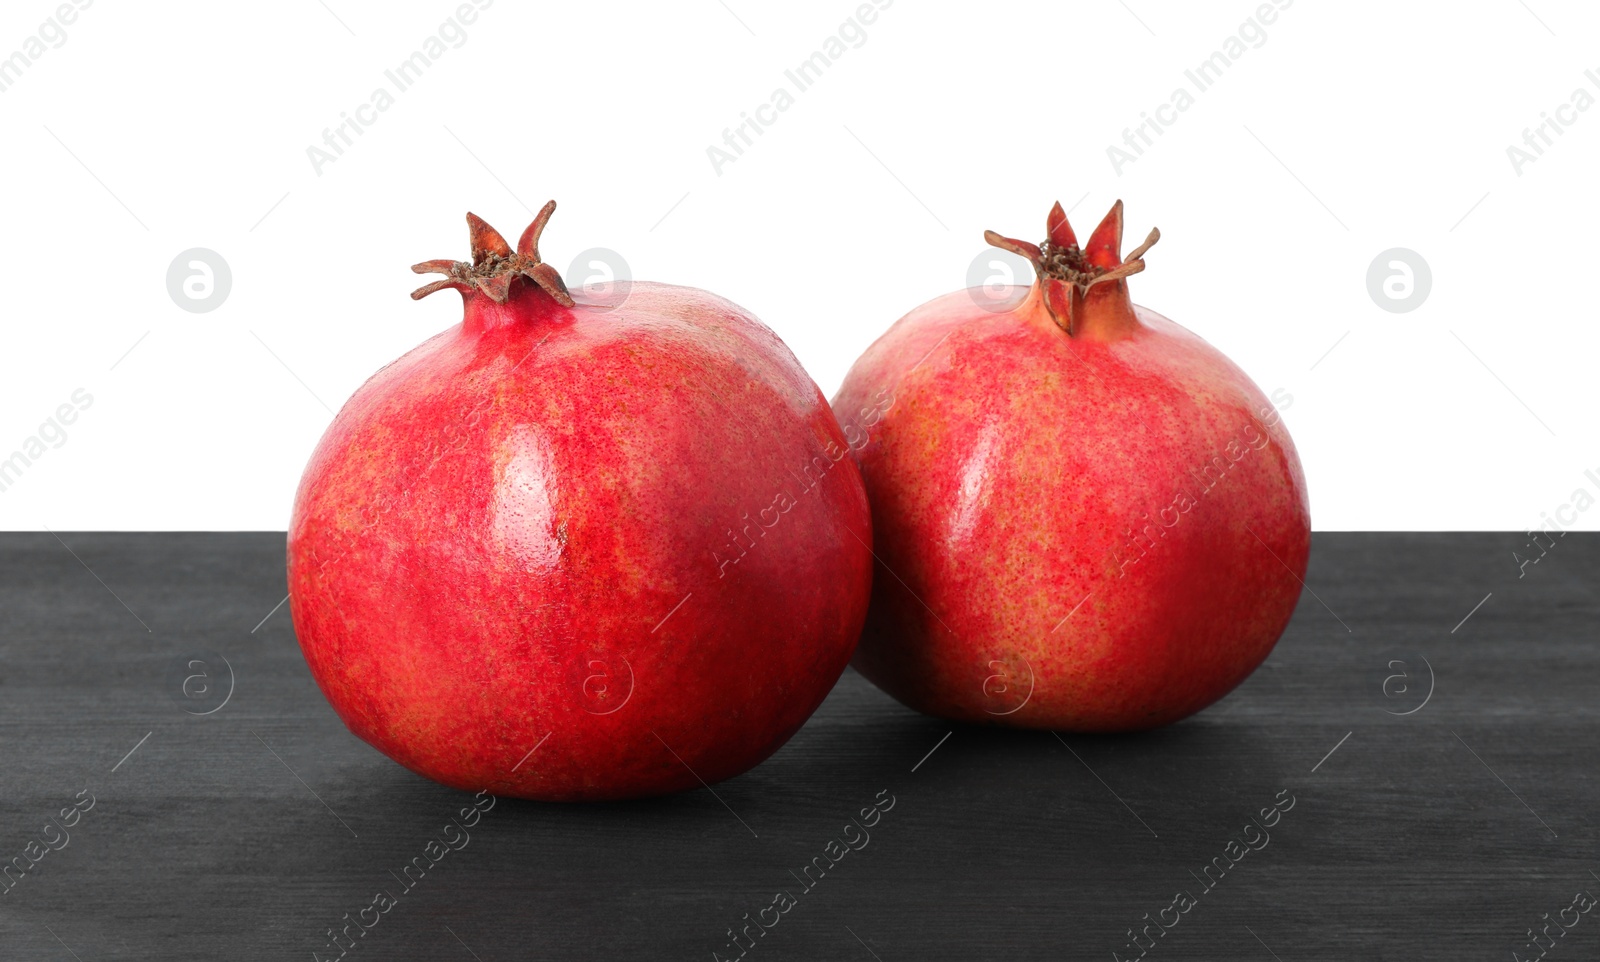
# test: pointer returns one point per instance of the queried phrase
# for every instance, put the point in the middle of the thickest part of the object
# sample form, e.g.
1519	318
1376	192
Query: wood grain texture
249	832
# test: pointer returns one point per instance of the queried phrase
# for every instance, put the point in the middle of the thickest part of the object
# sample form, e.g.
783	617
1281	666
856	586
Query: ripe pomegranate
577	548
1088	517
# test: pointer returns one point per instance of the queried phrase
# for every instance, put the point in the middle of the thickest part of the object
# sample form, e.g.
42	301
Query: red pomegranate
579	547
1088	518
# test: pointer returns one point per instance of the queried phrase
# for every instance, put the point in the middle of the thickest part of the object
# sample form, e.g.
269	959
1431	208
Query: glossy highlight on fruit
1087	517
580	546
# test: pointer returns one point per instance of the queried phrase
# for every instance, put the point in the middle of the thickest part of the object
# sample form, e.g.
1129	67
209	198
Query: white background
1354	128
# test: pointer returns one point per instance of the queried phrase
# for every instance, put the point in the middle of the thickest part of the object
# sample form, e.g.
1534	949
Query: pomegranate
580	547
1088	518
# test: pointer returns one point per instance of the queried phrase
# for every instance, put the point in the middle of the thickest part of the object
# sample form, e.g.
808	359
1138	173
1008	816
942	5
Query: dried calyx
1068	273
495	266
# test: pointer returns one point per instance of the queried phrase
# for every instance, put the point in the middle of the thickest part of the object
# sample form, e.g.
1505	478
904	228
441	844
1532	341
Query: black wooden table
1441	767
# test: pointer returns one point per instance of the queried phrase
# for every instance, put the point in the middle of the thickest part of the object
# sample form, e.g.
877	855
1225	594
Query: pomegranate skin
1101	531
527	532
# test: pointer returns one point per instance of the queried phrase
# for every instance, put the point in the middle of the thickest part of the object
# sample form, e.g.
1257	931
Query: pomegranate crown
494	265
1068	272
